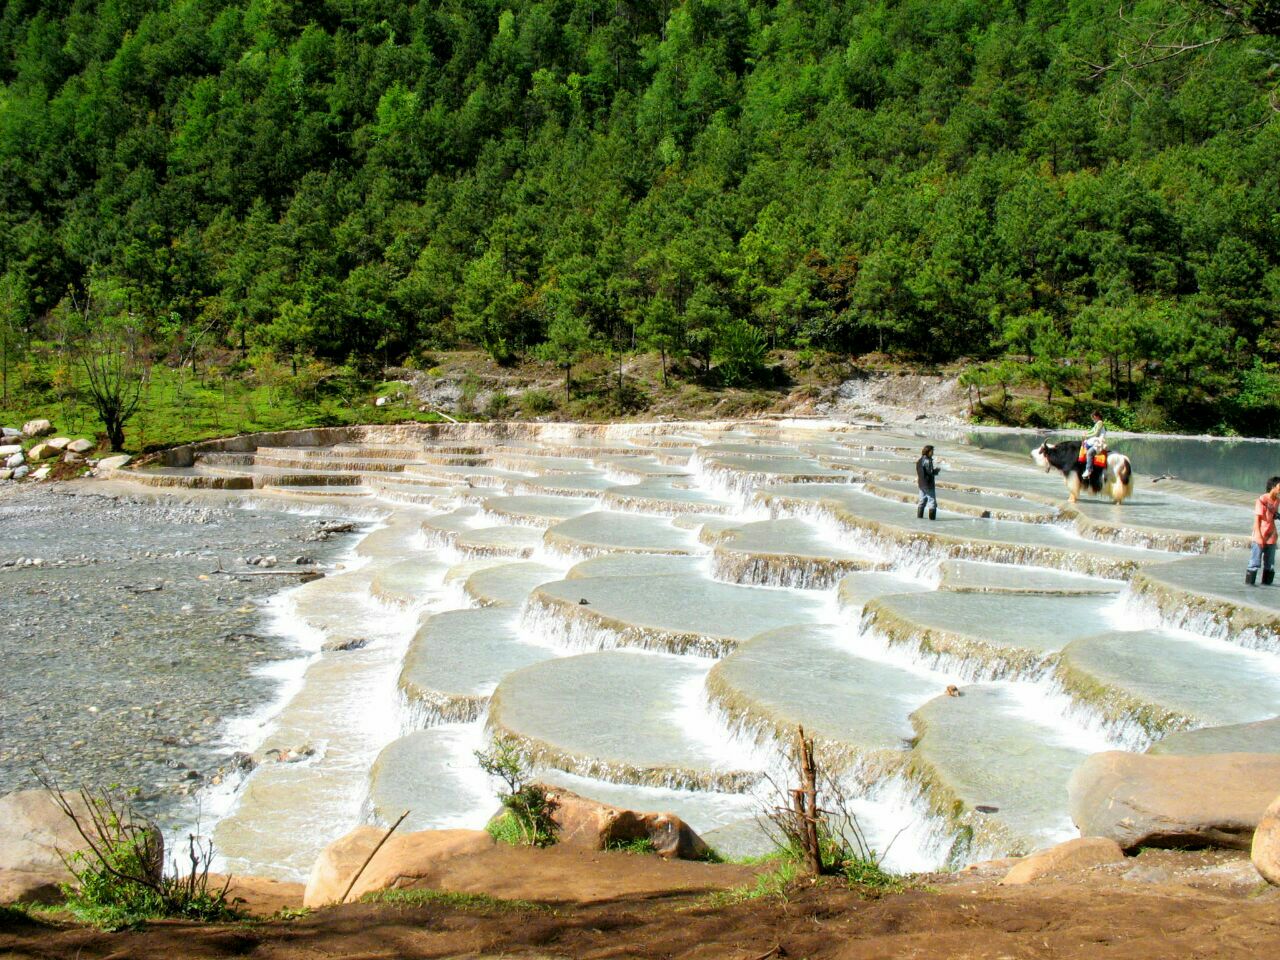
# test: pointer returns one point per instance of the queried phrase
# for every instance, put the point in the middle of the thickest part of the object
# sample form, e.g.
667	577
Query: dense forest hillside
352	183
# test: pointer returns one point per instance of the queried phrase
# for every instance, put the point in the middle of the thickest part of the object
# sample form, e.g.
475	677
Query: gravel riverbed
122	652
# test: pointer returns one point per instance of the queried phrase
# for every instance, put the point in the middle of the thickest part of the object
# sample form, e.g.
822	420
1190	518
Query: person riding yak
1094	446
1088	465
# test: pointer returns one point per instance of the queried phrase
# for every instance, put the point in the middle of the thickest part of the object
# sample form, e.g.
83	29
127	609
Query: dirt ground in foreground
1101	914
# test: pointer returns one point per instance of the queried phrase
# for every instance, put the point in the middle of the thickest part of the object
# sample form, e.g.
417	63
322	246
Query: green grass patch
291	913
638	845
870	877
459	901
774	883
504	829
773	856
178	407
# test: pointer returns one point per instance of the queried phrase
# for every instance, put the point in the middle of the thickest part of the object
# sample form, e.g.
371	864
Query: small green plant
867	874
119	879
535	403
462	901
774	883
638	845
470	388
504	829
499	406
740	353
813	826
526	805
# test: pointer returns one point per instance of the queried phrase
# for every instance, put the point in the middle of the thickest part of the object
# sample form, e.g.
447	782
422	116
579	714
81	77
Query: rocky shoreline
122	652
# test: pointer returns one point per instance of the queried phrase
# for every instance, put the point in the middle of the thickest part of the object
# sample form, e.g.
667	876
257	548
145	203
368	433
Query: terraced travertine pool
647	612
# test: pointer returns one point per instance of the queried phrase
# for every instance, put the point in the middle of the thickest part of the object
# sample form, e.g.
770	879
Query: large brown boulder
598	826
1266	844
1072	856
259	896
31	886
35	834
406	860
1173	801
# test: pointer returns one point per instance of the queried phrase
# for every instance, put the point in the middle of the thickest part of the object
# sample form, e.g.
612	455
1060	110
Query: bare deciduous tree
1190	27
110	347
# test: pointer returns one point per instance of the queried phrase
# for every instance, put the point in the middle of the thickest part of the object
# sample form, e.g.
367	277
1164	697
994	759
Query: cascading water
626	655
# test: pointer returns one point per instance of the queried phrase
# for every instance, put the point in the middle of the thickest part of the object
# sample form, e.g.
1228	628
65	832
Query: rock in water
1266	844
598	826
1172	801
411	859
1079	854
37	428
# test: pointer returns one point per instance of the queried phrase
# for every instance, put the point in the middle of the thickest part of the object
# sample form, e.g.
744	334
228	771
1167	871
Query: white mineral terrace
647	612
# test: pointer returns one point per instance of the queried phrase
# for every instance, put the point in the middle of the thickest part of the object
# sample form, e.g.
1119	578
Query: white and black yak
1115	481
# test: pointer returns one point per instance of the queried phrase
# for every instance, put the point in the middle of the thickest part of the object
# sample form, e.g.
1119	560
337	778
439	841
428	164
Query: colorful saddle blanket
1099	456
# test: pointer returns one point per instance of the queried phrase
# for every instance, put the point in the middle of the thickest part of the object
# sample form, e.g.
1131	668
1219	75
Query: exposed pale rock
15	460
333	869
9	433
107	464
21	471
1173	801
1071	856
40	451
9	449
58	443
6	474
406	860
37	428
1261	736
1266	844
41	473
80	446
598	826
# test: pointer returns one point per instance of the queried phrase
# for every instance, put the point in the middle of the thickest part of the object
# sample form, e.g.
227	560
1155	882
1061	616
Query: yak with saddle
1112	474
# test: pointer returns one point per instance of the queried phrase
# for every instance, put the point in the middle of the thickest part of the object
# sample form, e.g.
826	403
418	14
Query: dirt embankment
1159	904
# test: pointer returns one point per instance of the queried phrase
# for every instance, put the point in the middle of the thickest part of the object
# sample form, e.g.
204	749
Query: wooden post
807	803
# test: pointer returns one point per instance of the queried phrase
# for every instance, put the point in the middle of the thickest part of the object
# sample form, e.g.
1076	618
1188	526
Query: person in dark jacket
925	474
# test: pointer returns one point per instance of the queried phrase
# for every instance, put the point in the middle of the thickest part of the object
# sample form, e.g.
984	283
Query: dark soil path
954	917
